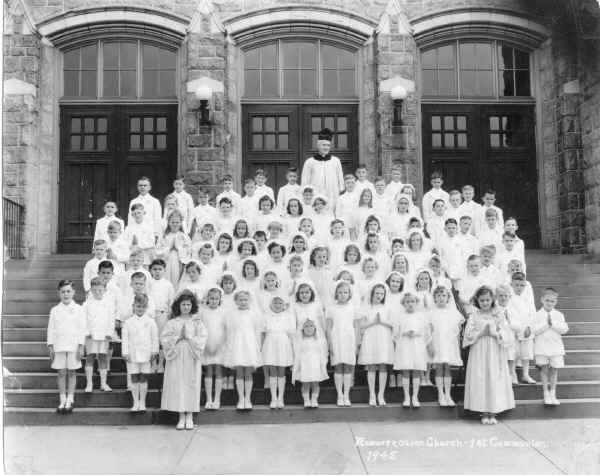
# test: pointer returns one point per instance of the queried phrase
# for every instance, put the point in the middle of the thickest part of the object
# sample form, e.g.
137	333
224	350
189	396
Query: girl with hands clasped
376	349
174	247
413	336
446	321
277	350
342	327
488	387
310	363
213	317
183	340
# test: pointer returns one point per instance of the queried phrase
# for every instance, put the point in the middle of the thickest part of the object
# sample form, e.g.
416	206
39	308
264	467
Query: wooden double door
104	149
489	147
279	136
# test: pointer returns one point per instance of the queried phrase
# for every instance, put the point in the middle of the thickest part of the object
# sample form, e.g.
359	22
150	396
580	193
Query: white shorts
93	347
66	360
556	361
137	368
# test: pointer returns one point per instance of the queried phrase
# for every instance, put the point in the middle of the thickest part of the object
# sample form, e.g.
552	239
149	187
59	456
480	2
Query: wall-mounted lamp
204	94
398	94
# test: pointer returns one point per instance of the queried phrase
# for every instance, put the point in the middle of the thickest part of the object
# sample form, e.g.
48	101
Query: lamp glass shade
203	93
398	93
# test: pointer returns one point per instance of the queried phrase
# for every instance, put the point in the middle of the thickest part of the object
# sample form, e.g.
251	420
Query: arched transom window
128	69
299	69
468	69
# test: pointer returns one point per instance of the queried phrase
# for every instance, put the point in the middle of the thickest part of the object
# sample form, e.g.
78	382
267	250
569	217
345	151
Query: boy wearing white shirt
233	196
249	204
454	210
381	201
490	233
162	292
347	202
361	180
450	251
469	244
470	208
510	225
549	325
139	234
90	270
65	339
489	198
110	210
288	191
151	206
436	222
136	259
204	212
509	252
100	314
435	193
394	187
522	307
226	217
488	269
185	202
139	347
262	189
117	247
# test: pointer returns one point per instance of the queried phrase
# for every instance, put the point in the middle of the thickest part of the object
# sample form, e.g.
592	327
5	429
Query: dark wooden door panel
100	161
490	147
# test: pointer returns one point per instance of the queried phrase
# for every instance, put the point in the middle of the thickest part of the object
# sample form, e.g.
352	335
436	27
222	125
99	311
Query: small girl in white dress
412	335
228	285
376	349
342	327
213	317
310	363
395	287
244	326
446	321
174	247
277	349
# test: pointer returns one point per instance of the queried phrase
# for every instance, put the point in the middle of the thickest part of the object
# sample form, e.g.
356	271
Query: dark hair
430	280
229	238
225	200
144	178
450	221
388	280
414	219
138	275
179	177
399	240
312	259
360	199
226	178
489	191
184	296
97	281
351	247
135	206
367	245
239	221
193	265
439	200
372	219
251	262
64	283
300	208
141	299
437	174
549	290
518	276
259	233
292	170
312	292
260	171
376	286
484	289
273	245
303	240
227	277
248	241
264	198
106	265
158	262
249	181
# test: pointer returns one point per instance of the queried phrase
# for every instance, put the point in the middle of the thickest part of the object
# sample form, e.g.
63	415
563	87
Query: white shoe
142	406
216	404
89	387
208	405
547	399
135	407
181	424
442	400
340	401
314	403
415	402
280	404
247	405
528	379
553	400
372	401
392	382
492	421
449	401
406	402
189	423
347	402
105	387
273	404
307	403
240	405
485	420
381	401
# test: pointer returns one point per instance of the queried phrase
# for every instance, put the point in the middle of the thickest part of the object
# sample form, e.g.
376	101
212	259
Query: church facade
501	94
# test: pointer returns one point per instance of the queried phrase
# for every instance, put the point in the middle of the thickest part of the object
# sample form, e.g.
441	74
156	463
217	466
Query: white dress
243	338
214	321
488	384
377	346
310	361
343	335
445	336
277	347
411	352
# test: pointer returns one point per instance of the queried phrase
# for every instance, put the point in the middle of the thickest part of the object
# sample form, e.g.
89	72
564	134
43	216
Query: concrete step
118	380
24	321
584	328
569	408
122	398
40	348
37	284
24	334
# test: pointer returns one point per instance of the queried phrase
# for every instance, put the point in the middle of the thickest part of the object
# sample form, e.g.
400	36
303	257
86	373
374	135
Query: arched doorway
478	123
118	122
292	88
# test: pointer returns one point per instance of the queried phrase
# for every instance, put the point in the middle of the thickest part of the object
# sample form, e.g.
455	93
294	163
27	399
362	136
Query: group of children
296	282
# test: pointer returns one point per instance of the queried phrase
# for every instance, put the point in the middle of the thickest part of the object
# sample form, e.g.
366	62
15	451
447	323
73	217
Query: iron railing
14	215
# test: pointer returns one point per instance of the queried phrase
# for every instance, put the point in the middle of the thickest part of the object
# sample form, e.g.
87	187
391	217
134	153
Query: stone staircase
30	390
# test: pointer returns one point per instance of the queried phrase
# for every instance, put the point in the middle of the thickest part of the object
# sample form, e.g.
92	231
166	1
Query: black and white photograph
342	237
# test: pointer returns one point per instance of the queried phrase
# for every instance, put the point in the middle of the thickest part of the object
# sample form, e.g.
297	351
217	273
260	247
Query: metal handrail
14	217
